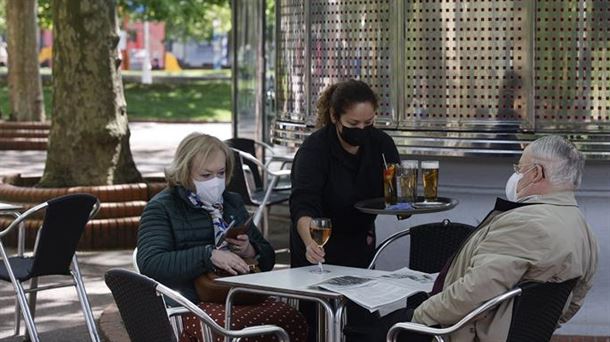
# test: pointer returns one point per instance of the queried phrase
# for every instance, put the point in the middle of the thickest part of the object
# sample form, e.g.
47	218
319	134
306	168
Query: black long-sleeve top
327	181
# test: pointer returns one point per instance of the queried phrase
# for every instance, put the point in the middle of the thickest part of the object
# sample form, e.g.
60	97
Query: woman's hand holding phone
241	246
239	242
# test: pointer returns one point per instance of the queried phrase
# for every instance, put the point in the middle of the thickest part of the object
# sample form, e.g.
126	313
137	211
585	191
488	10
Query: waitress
338	165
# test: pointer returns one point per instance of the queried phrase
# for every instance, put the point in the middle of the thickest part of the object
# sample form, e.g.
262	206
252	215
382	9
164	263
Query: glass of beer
430	178
320	229
407	181
389	184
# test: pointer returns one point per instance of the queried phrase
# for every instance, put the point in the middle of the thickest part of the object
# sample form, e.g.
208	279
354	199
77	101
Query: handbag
211	291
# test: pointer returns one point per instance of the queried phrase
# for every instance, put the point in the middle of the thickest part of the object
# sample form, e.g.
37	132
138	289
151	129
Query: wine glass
320	229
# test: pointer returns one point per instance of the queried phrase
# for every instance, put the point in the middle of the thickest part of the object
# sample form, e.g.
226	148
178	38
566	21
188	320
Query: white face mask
511	186
210	190
512	183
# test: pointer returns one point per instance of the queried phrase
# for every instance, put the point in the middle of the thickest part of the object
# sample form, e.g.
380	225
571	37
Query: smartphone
235	230
240	229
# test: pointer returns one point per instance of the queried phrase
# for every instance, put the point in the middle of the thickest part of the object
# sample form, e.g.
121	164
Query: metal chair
261	198
537	308
432	244
250	146
142	308
54	254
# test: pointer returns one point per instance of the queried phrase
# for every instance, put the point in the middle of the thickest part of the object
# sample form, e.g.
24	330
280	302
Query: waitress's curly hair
337	98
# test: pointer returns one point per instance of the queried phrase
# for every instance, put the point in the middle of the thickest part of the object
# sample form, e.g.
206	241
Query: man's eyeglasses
518	167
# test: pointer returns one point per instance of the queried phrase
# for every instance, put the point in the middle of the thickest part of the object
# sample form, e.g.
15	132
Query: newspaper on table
384	293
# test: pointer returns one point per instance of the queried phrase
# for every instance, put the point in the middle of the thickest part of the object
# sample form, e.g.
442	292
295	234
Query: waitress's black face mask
355	136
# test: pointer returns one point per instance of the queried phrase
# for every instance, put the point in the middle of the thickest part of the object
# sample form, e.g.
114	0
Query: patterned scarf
215	211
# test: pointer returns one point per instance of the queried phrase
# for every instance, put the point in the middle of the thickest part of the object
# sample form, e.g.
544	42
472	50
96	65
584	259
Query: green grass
193	101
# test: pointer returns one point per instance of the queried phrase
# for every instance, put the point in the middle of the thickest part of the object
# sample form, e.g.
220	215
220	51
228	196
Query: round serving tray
377	206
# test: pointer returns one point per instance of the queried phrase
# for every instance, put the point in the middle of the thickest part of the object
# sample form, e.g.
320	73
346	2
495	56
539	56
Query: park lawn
193	101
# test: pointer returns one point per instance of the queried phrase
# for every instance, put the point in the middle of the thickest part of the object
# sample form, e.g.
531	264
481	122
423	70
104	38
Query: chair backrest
248	146
238	182
64	222
141	308
432	244
537	310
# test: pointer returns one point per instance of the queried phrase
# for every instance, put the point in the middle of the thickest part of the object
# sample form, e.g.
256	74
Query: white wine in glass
320	229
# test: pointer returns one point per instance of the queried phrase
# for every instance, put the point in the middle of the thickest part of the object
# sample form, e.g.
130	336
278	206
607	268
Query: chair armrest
95	209
385	244
281	334
267	147
248	156
439	332
22	217
280	173
171	312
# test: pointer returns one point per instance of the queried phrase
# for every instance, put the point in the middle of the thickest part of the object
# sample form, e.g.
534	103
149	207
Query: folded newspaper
384	293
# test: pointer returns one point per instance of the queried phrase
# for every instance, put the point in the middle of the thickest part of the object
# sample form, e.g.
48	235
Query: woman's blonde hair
337	98
193	146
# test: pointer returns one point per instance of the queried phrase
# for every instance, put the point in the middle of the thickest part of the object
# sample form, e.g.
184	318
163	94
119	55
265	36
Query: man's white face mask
513	182
210	190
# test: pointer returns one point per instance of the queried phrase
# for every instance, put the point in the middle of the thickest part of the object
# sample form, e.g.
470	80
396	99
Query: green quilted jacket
176	239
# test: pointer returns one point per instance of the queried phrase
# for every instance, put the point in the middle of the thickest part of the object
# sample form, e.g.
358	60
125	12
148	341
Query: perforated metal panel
351	39
465	64
572	64
291	63
455	77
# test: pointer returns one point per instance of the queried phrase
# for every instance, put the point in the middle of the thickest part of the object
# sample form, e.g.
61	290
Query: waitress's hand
229	262
314	253
241	246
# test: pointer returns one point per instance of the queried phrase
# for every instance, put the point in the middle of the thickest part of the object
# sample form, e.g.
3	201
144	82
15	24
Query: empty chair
261	198
54	254
537	308
431	245
250	146
142	309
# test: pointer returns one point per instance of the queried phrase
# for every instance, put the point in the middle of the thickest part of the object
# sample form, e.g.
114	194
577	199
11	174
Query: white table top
296	280
9	207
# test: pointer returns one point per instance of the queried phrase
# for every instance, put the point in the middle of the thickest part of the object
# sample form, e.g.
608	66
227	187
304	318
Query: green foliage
2	16
193	101
44	14
183	18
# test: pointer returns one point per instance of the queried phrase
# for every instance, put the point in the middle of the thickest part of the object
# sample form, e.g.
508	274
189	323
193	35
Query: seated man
541	235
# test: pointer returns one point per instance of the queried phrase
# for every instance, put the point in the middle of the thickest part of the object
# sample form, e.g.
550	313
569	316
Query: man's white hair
563	163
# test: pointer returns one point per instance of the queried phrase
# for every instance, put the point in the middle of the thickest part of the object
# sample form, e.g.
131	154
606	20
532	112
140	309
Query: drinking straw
385	163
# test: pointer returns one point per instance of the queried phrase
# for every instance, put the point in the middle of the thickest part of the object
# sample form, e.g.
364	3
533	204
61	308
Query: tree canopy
183	18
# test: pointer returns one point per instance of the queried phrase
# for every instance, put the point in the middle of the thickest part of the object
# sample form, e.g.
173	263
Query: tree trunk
25	86
89	138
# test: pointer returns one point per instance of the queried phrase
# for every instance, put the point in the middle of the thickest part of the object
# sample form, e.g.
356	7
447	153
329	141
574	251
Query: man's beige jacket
547	242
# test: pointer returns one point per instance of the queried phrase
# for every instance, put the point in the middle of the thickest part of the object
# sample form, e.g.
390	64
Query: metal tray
377	206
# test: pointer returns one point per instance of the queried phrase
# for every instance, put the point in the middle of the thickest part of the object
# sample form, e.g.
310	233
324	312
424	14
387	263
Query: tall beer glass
430	180
407	181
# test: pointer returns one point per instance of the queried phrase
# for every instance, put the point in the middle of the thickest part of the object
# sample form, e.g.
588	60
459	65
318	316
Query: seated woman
181	227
